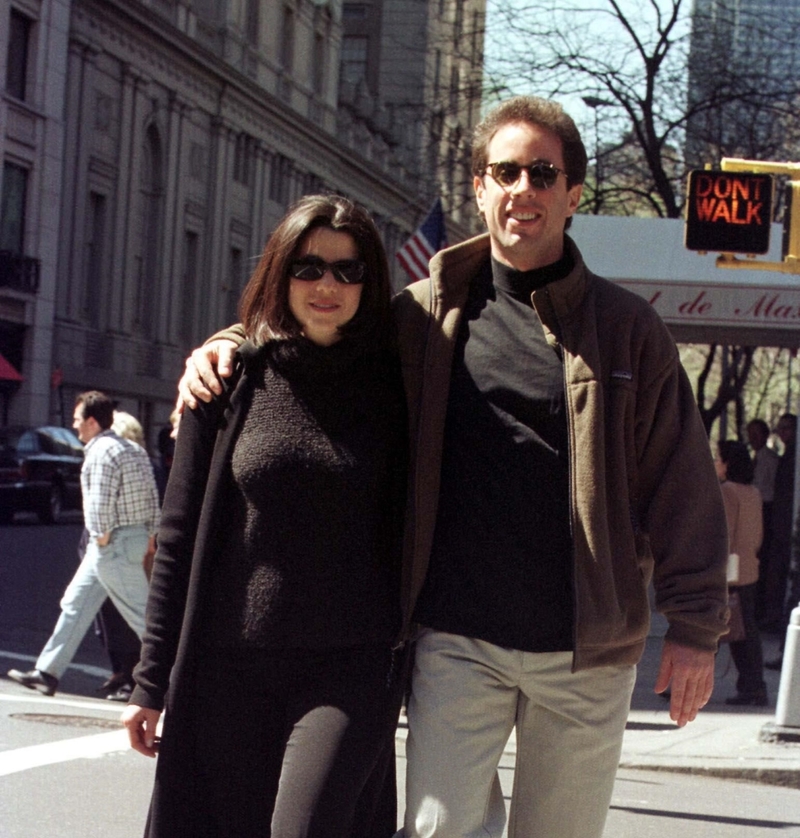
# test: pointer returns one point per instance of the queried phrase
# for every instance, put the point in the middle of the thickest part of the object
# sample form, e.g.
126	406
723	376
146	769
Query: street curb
786	778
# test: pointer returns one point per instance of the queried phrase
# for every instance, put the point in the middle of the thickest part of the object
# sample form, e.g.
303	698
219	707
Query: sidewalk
723	741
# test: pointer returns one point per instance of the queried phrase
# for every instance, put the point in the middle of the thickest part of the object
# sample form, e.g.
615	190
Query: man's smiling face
526	225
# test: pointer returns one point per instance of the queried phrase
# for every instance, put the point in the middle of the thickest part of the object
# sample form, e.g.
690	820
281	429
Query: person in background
274	602
120	641
765	462
166	452
558	463
782	588
121	515
745	526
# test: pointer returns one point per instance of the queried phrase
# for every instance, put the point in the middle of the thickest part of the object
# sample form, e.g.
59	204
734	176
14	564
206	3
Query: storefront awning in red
7	371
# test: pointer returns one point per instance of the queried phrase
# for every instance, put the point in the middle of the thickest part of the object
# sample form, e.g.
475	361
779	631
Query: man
765	463
782	583
558	460
120	510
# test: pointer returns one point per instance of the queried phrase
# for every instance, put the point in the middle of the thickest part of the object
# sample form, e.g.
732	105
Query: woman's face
321	306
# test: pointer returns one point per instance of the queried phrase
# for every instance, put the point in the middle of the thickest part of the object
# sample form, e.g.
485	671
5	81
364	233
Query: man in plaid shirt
120	510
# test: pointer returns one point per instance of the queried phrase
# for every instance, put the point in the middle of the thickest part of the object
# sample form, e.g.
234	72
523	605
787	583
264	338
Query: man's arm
206	365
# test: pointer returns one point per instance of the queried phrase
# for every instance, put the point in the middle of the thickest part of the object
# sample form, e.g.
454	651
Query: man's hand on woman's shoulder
204	368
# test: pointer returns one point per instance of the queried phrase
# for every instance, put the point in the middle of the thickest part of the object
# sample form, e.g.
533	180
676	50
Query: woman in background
274	596
745	526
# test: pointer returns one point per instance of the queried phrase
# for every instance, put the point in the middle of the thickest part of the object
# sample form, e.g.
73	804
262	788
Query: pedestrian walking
274	607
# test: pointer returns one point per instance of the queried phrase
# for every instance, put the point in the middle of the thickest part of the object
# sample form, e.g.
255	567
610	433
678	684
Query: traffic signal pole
791	225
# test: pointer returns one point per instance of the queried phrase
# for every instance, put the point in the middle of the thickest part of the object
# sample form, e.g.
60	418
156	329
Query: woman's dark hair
264	307
737	458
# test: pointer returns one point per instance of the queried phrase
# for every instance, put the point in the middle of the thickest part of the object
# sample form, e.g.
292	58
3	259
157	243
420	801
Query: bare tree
671	84
736	364
634	60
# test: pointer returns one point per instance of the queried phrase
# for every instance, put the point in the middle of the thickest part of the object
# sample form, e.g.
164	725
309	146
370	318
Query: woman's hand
141	724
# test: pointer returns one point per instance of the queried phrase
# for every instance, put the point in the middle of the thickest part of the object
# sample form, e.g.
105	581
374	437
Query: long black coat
193	506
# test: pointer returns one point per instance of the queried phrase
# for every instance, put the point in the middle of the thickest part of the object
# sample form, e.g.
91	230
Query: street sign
728	211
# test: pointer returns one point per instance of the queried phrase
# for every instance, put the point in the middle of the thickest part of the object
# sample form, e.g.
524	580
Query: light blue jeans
115	571
467	696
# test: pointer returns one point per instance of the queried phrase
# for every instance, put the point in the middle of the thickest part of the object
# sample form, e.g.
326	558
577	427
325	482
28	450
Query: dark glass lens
541	175
347	271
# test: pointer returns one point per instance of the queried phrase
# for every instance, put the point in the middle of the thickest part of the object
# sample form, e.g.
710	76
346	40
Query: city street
65	771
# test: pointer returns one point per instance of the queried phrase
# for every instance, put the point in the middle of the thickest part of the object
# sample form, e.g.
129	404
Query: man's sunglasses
312	268
541	175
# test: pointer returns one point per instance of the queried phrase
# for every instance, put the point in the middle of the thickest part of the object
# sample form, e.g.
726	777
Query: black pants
289	742
747	653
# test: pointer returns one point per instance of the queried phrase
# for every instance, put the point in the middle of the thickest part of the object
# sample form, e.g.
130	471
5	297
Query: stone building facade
186	127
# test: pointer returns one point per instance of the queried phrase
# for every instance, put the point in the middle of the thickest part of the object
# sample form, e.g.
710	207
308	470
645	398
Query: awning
7	371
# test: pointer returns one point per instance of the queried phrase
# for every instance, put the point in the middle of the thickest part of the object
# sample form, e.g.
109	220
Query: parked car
40	471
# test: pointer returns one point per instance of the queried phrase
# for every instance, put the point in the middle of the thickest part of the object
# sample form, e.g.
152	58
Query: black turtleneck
501	564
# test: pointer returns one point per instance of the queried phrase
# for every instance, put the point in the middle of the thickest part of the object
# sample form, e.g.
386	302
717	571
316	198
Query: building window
455	85
241	158
95	269
191	249
476	38
287	40
12	208
235	269
19	33
354	58
458	23
251	23
151	215
320	59
354	11
280	179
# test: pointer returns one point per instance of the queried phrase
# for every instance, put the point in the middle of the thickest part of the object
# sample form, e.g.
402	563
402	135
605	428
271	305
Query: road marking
53	701
84	747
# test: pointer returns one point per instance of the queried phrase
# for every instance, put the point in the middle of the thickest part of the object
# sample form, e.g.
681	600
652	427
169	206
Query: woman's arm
183	503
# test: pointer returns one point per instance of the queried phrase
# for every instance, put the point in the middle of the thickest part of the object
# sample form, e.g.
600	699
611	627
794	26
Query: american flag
429	237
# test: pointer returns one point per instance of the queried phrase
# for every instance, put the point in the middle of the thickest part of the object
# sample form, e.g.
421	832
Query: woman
274	596
743	511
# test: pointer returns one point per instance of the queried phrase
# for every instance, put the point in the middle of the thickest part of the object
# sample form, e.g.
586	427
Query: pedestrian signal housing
728	211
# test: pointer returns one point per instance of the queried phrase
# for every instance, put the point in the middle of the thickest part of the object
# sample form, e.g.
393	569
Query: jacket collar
453	268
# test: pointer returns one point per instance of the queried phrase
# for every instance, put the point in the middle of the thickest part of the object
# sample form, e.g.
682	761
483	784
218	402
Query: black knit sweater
309	557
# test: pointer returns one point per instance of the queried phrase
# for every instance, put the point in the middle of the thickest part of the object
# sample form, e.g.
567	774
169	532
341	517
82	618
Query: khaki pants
467	696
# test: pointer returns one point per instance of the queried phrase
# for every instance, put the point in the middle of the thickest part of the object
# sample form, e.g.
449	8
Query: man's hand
141	724
690	675
103	539
204	368
149	556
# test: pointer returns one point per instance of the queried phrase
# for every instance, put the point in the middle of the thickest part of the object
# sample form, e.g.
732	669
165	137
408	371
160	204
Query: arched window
150	224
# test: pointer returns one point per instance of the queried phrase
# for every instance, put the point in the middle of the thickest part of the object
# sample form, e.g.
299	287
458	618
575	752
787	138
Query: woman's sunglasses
541	175
312	268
